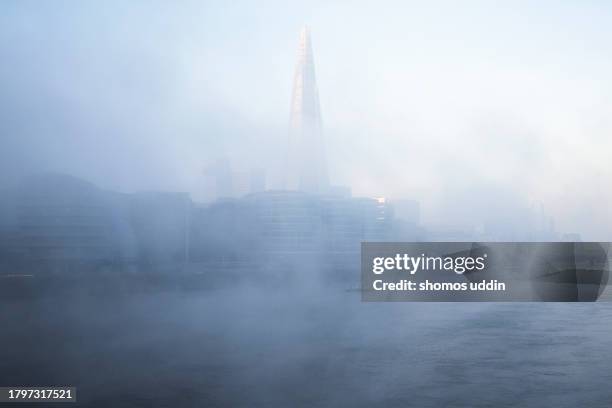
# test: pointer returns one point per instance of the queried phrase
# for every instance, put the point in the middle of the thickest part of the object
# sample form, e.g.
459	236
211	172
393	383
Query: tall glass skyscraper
306	167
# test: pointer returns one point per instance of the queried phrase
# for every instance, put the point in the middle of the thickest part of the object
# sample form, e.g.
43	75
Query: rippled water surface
267	348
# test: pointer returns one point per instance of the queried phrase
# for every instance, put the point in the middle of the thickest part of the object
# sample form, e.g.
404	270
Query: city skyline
306	203
418	103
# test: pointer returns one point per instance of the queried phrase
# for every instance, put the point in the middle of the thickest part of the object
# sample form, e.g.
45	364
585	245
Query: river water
257	347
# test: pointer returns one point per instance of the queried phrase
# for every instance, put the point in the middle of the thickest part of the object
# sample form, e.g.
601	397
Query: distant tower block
306	167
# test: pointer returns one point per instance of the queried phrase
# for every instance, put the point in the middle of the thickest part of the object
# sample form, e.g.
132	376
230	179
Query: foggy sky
468	107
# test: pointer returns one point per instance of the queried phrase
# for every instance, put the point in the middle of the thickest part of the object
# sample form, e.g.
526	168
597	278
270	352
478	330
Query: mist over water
253	346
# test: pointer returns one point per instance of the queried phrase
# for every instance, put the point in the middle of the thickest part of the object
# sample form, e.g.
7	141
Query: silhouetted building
224	234
161	226
59	223
290	222
296	224
306	166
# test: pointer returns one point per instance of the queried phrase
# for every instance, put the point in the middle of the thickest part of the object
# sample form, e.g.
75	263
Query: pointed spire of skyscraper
306	164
